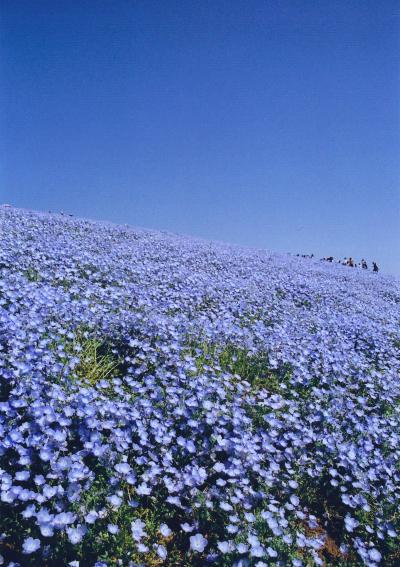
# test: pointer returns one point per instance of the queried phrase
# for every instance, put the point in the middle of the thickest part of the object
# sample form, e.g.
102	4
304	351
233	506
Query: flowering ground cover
171	401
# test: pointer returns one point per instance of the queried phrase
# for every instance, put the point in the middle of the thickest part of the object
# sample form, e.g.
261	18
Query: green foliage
254	368
62	282
96	362
32	275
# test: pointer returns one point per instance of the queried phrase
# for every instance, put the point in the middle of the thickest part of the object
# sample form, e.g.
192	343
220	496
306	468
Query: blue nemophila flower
45	454
350	523
137	530
49	491
22	475
374	555
47	530
187	527
30	545
174	500
243	562
164	530
161	551
29	511
232	529
91	517
44	516
123	468
225	546
257	551
63	519
143	489
75	535
112	529
198	543
115	501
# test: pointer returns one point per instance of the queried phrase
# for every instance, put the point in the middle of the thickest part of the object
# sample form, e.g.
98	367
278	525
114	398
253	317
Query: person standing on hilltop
375	267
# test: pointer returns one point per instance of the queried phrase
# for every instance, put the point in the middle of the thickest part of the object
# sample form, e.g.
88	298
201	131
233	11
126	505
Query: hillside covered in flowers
172	401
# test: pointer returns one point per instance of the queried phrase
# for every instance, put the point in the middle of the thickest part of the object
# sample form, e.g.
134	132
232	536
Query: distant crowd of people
352	263
345	262
64	214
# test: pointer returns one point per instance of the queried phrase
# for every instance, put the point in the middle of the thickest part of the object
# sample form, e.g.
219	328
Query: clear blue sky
273	124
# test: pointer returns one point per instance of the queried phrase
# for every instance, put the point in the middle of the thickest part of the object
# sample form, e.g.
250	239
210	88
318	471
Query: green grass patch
96	363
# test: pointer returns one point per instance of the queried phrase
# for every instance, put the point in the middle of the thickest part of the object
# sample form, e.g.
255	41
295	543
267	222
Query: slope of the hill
166	400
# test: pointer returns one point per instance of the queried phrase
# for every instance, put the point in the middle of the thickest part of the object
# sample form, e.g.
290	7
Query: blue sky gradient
273	124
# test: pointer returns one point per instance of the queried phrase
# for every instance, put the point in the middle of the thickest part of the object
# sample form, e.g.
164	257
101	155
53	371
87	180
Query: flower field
170	401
